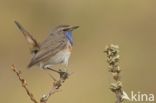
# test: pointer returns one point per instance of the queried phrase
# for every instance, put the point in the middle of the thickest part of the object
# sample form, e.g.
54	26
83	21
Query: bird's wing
51	46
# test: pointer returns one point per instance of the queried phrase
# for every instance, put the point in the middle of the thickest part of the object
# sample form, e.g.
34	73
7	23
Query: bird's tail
29	38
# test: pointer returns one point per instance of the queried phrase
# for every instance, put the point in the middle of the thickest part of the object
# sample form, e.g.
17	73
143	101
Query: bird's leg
53	70
63	73
48	67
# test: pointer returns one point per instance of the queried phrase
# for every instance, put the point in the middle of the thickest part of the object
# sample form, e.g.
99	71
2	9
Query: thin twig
24	83
55	86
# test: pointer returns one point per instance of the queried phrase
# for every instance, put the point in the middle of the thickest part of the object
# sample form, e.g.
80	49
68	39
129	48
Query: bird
55	49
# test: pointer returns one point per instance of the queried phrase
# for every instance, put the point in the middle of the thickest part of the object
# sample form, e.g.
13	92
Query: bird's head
67	30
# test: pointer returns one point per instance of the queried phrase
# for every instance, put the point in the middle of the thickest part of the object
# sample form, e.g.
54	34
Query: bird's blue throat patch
69	37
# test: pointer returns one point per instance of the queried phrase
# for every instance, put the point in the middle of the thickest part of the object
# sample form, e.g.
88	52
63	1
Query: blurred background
129	23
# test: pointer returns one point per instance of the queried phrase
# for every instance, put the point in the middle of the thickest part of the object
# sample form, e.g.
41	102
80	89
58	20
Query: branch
24	83
113	57
55	86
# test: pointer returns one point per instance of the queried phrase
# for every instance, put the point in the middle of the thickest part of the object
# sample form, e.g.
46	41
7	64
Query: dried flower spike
113	57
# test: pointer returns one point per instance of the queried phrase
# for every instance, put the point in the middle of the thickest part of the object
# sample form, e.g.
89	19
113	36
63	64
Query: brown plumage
55	49
55	42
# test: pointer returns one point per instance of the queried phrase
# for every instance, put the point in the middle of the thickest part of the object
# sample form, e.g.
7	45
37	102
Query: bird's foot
63	73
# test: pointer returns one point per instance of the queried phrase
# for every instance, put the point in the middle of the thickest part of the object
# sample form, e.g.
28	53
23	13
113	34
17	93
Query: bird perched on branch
55	49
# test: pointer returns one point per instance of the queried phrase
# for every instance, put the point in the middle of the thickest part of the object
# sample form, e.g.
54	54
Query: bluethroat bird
55	49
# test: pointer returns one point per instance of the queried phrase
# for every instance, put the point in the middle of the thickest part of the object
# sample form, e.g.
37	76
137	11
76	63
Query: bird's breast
62	56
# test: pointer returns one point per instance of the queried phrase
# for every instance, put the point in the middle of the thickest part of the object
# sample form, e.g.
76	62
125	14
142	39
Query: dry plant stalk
113	57
55	86
24	83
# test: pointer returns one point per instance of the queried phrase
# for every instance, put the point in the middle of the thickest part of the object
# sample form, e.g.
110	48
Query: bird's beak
74	27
